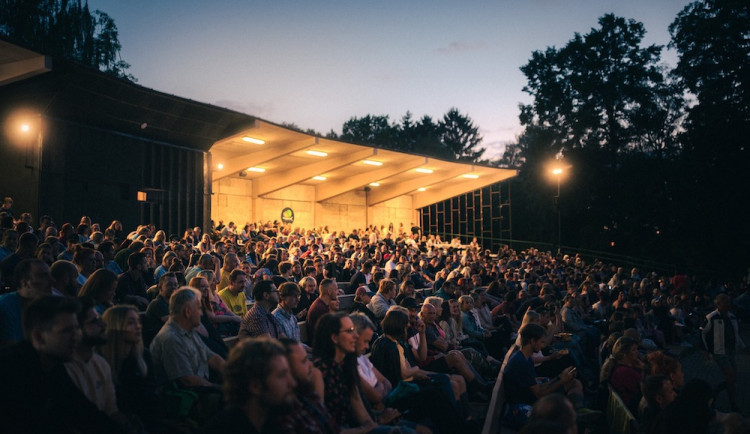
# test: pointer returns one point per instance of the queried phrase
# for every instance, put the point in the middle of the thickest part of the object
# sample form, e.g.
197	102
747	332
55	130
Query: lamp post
557	172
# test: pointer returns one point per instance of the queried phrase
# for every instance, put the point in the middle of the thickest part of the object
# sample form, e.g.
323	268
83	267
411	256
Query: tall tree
601	90
460	136
65	28
711	38
370	130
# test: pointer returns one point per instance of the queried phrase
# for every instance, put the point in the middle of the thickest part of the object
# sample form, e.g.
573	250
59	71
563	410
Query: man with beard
37	394
257	381
307	414
89	371
259	321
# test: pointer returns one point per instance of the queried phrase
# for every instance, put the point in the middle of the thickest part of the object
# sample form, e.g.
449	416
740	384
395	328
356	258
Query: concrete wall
232	201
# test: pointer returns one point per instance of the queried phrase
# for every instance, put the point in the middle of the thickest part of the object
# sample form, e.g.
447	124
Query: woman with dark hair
100	286
335	351
664	364
394	359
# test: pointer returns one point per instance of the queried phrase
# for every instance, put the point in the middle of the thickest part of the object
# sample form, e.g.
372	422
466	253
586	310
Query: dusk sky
318	63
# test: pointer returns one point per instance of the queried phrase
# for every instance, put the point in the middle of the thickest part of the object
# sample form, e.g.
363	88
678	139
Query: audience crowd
271	328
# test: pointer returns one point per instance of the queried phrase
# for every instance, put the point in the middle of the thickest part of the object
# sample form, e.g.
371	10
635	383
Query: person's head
10	240
100	286
167	285
92	327
531	316
237	279
84	260
185	307
664	364
466	302
658	391
556	410
387	288
201	284
533	334
395	322
50	324
65	277
289	294
299	363
329	289
27	243
723	303
285	268
137	261
362	295
33	278
124	332
365	329
437	302
265	292
428	313
308	284
206	261
625	348
257	370
335	336
231	261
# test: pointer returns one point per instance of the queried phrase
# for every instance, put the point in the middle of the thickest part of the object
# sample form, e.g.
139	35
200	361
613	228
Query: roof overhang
287	157
18	63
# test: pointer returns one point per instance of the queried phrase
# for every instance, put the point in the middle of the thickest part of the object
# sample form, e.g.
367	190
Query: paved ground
694	367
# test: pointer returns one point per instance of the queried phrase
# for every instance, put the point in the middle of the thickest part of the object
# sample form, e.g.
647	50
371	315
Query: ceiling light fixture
421	170
372	162
470	176
256	169
253	140
220	166
317	153
422	189
319	178
374	184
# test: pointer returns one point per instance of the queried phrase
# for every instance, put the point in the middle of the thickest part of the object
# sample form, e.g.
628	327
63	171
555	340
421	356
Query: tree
601	90
711	38
67	29
370	130
460	136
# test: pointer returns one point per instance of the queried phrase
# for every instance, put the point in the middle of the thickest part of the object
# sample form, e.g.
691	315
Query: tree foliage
454	137
65	28
601	90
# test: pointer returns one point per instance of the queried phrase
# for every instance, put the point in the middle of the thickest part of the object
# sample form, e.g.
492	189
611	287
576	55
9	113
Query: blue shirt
10	318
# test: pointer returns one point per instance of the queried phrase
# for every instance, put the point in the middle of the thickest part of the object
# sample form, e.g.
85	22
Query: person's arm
194	381
216	362
421	351
360	414
565	377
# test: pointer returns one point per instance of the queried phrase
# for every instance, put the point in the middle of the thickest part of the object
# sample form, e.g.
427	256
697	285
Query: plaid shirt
258	322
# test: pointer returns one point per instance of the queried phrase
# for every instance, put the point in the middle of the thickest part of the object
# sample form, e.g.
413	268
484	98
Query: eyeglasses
351	331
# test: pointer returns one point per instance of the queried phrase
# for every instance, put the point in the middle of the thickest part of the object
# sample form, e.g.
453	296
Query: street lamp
557	172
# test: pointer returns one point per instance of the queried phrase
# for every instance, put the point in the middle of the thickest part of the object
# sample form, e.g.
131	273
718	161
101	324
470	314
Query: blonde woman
131	364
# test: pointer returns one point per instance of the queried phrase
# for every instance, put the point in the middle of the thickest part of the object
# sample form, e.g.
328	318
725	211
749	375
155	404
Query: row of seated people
575	293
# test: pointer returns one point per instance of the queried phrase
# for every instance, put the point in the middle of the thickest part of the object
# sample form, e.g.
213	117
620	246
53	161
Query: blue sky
318	63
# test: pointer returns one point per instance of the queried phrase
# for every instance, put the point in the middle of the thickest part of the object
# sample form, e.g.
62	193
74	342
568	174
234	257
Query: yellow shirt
236	303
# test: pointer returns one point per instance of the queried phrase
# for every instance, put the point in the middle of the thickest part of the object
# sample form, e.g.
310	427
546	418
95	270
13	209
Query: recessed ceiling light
421	170
220	166
372	162
253	140
319	178
422	189
25	128
374	184
470	176
256	169
317	153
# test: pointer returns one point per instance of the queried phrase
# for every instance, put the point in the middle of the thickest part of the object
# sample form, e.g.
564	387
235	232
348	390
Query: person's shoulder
9	299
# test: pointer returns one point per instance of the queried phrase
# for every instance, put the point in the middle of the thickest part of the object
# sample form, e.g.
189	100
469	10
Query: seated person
178	352
38	395
157	312
523	389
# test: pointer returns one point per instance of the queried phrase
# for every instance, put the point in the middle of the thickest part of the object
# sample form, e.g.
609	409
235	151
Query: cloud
261	110
456	47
